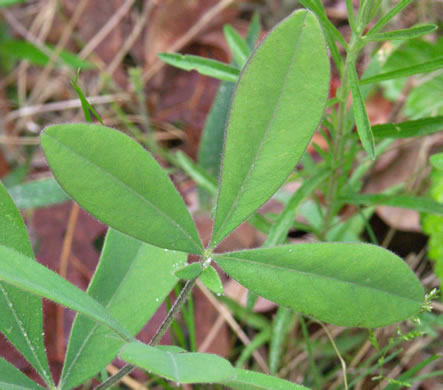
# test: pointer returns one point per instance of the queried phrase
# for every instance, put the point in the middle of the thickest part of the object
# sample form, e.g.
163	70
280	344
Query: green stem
340	134
162	329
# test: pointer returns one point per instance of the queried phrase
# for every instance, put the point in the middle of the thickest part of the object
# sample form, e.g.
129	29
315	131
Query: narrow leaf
281	325
24	50
409	33
238	46
417	203
408	129
117	181
86	107
204	66
278	110
407	71
360	114
184	367
38	193
389	16
250	380
7	3
190	271
344	284
21	318
211	280
131	282
25	273
13	379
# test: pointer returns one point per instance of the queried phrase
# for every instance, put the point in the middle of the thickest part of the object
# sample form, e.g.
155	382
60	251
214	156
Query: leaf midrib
130	189
268	127
241	260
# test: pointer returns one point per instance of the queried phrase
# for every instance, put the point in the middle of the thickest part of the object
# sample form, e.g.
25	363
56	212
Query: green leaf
25	273
187	367
360	114
417	203
86	107
408	129
116	180
407	71
344	284
188	272
21	318
250	380
437	161
24	50
271	111
211	280
7	3
204	66
13	379
389	15
238	46
38	193
409	33
281	325
196	172
125	265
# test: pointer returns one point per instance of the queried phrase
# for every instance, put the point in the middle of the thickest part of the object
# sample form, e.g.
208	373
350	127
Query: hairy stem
162	329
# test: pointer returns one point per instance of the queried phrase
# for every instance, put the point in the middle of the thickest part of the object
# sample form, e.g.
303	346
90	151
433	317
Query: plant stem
340	134
162	329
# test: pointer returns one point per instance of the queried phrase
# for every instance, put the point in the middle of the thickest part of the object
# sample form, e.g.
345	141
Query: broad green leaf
211	280
131	282
238	46
272	118
407	71
186	367
344	284
204	66
21	318
38	193
417	203
116	180
360	114
408	129
24	50
409	33
25	273
437	161
250	380
188	272
389	15
13	379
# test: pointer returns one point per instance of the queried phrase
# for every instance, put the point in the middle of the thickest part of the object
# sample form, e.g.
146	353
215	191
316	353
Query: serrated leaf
38	193
416	128
204	66
408	33
116	180
278	110
212	281
406	71
189	272
250	380
417	203
186	367
344	284
13	379
25	273
131	282
238	46
21	318
360	114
